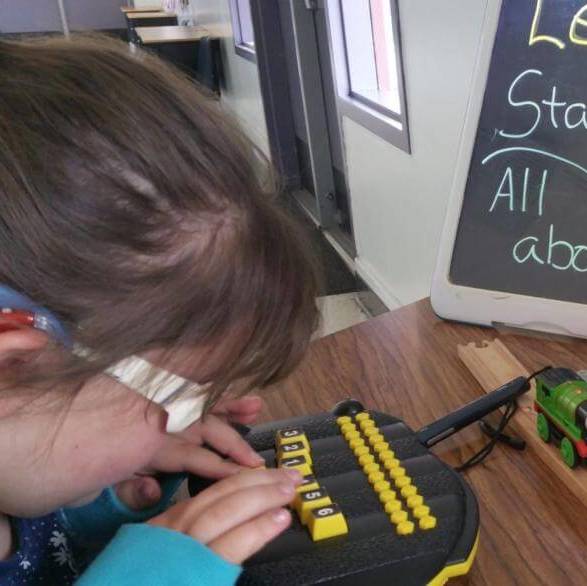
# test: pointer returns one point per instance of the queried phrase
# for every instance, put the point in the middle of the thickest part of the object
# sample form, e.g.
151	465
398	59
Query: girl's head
133	209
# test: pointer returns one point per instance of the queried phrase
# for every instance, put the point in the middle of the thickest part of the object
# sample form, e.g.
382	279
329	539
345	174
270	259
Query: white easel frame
480	306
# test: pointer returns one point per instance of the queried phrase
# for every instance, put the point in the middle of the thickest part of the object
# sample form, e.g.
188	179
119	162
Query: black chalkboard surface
523	223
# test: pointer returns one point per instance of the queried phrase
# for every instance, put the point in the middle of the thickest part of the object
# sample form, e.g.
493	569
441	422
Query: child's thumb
139	493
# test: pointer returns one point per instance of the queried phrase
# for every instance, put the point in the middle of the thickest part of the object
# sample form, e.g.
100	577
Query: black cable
509	412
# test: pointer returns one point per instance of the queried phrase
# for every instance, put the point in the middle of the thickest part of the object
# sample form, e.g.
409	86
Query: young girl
132	224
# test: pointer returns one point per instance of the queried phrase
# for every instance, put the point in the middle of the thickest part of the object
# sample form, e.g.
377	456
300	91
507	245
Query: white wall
398	199
19	16
241	93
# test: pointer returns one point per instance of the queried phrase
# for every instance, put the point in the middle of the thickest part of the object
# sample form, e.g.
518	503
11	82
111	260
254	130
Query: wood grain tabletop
130	9
144	16
151	35
405	363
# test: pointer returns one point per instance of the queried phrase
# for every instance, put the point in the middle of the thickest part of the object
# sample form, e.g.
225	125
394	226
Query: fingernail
258	459
287	489
281	516
295	475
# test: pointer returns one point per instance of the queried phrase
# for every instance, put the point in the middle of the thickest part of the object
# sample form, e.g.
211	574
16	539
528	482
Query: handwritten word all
506	192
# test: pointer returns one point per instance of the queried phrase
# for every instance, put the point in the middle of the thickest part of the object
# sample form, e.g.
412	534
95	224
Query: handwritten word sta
557	112
577	29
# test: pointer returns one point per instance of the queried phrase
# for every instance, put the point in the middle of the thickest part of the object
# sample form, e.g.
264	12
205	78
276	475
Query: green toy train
561	404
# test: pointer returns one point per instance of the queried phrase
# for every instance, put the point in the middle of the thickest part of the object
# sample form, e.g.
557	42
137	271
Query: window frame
391	126
241	48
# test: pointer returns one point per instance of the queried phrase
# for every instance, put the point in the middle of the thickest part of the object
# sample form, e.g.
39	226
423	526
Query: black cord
509	412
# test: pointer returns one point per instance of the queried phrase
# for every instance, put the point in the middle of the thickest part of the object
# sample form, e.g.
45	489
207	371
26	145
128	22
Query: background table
533	530
156	35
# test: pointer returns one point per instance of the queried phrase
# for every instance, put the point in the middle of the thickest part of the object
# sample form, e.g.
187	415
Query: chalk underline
537	151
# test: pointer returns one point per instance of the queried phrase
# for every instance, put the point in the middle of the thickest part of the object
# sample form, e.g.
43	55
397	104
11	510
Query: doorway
296	55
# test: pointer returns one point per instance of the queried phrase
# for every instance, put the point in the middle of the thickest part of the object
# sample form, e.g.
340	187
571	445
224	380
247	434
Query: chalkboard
523	222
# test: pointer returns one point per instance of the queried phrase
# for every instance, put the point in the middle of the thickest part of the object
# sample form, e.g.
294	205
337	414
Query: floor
338	313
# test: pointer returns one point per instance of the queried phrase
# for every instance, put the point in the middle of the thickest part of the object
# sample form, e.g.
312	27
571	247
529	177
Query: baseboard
368	275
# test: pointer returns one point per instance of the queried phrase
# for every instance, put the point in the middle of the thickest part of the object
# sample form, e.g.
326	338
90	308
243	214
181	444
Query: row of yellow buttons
312	503
379	463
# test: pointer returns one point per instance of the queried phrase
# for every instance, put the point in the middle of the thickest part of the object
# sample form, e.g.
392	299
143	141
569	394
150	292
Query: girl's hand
184	452
237	516
244	410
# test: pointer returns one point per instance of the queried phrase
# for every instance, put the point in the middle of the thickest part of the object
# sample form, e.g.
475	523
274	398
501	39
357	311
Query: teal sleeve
91	526
145	554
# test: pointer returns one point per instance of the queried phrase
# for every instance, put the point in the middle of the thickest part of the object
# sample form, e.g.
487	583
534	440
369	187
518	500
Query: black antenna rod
455	421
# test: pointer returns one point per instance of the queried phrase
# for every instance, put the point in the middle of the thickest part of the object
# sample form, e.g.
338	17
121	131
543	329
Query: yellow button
415	501
365	459
387	455
309	482
351	435
428	522
381	486
312	499
387	495
403	481
398	516
297	500
288	436
325	522
380	447
392	507
421	512
360	451
391	464
366	424
348	427
376	477
362	416
405	528
296	463
294	449
344	419
371	431
373	467
408	491
356	442
376	438
397	472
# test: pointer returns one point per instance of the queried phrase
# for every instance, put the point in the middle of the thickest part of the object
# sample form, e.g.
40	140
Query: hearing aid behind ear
183	400
18	311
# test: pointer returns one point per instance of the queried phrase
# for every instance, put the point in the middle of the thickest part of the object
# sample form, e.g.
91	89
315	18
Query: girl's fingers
243	410
142	492
182	456
203	462
247	539
223	438
181	516
227	513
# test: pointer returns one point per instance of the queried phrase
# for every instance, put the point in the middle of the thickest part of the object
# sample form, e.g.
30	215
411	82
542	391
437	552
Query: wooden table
130	9
155	35
150	15
533	530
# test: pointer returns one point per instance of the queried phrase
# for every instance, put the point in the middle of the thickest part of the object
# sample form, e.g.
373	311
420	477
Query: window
368	65
242	26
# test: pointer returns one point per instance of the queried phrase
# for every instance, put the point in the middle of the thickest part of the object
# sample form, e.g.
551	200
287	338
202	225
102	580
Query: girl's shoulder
43	555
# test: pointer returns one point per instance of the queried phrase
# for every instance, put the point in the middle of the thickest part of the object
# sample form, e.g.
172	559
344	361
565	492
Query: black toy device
377	507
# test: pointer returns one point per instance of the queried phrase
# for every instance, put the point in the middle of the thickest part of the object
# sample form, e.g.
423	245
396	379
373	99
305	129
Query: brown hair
132	208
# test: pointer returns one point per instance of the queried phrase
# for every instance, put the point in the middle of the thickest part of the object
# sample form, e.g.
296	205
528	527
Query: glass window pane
246	23
371	52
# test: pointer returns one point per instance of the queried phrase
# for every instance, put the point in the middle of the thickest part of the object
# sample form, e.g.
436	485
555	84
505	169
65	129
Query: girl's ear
21	344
